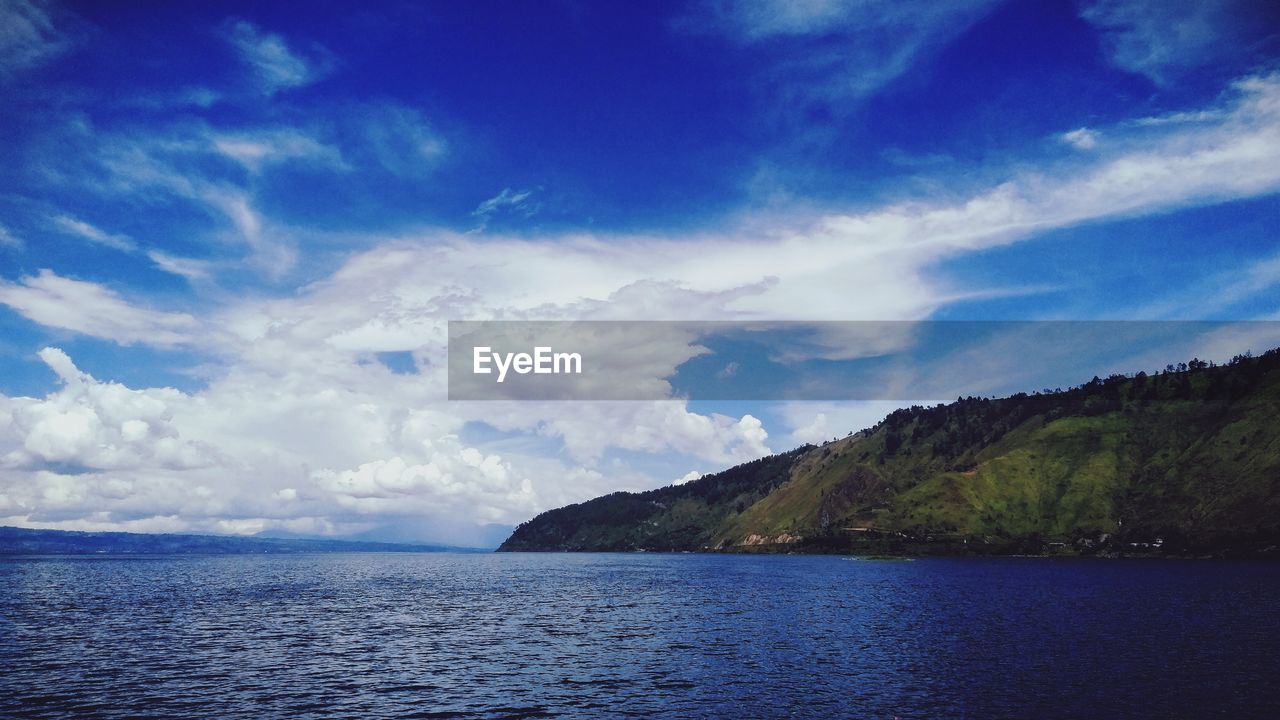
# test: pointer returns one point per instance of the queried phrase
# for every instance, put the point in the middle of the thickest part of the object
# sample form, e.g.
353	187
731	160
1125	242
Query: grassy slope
1193	457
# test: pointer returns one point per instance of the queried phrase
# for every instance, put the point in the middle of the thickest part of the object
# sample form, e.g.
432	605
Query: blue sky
230	233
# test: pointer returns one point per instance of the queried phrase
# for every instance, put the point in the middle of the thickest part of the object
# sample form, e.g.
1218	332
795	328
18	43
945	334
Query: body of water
643	635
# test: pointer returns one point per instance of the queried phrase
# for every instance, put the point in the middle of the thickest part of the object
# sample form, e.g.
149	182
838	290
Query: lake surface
556	635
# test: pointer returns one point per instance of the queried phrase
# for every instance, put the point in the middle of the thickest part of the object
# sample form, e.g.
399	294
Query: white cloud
99	426
243	456
95	235
819	422
100	521
275	65
269	146
183	267
1162	39
200	167
28	36
398	139
816	432
588	429
507	201
9	240
774	271
297	405
94	310
839	49
1151	170
455	480
147	163
688	477
767	18
1081	138
1215	295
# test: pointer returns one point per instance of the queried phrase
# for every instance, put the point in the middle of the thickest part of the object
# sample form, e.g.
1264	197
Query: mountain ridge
1181	462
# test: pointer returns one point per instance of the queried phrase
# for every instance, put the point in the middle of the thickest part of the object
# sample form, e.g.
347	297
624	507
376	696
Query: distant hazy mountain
23	541
1186	461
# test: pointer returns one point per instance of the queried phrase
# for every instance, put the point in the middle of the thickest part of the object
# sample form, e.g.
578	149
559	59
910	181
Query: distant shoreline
28	541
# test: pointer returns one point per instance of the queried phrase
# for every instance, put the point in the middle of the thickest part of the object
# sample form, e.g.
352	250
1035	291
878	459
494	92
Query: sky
232	234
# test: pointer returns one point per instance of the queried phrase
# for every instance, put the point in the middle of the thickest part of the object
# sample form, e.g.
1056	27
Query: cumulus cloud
589	429
98	425
688	477
454	479
94	310
816	432
397	298
819	422
234	458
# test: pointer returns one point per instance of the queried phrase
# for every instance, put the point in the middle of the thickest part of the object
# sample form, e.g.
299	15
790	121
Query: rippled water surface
444	635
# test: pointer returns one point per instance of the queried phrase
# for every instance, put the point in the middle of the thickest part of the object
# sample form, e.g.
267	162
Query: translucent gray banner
855	360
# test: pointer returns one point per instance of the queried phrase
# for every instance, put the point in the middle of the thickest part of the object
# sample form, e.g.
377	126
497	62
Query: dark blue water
440	635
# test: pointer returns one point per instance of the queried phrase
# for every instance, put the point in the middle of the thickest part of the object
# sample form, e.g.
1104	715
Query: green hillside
1186	461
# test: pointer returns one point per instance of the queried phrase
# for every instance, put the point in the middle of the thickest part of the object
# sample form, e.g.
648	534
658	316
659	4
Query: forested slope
1185	461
